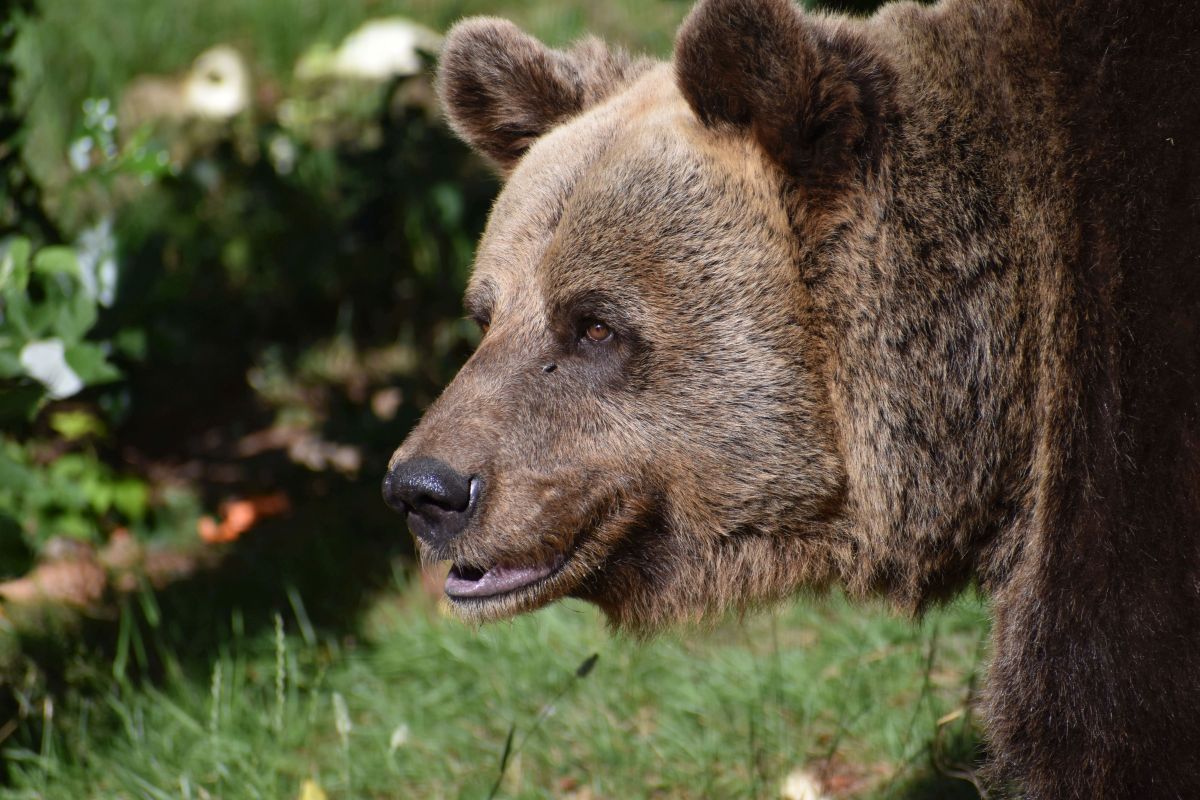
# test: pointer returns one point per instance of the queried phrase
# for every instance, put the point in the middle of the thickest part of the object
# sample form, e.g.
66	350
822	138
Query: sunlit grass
82	48
421	706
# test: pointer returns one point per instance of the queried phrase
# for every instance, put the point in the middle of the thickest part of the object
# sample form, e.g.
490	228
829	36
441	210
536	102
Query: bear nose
438	500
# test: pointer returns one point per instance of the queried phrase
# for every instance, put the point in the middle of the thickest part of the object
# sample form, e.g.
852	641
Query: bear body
895	303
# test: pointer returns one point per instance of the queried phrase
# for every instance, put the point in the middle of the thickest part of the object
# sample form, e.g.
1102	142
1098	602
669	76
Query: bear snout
438	500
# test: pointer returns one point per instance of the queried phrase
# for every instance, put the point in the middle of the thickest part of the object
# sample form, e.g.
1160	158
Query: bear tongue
497	580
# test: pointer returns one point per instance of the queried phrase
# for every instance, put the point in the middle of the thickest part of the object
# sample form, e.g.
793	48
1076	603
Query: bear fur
896	303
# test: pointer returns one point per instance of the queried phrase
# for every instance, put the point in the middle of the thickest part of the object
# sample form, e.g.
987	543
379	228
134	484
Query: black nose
438	500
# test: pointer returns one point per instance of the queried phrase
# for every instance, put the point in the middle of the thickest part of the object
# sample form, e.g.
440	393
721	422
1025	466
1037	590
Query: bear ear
502	89
763	67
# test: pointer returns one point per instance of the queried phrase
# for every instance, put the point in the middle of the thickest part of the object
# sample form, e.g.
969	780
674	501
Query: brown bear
896	303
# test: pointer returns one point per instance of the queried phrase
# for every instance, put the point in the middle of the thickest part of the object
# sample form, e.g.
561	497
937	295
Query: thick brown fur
898	303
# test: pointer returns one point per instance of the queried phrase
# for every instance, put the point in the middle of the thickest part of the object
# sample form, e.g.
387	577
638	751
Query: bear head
646	421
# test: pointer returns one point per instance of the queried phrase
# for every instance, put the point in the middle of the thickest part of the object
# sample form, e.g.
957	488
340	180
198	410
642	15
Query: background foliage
285	282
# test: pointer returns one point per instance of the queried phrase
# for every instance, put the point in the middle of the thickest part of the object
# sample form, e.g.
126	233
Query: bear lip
464	582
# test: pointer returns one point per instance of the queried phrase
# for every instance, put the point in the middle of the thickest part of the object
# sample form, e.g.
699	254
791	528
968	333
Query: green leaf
75	318
99	493
10	364
75	425
72	481
14	266
40	319
91	364
70	467
75	526
14	475
131	343
16	313
131	498
56	261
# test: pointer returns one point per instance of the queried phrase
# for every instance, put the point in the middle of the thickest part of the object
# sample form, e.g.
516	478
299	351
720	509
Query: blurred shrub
254	302
301	277
51	483
49	306
263	298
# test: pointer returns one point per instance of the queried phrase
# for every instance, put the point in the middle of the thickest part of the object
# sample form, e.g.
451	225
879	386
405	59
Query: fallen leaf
311	790
239	516
79	583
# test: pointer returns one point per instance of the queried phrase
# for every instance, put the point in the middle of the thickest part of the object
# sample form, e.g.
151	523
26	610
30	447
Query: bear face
634	397
789	394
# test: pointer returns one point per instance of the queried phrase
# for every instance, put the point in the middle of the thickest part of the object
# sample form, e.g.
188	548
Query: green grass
429	704
76	49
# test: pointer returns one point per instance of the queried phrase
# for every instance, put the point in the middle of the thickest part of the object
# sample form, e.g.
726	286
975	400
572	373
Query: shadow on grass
318	568
951	771
931	785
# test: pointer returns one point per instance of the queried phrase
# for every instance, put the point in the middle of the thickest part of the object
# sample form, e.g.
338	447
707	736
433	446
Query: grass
420	706
77	49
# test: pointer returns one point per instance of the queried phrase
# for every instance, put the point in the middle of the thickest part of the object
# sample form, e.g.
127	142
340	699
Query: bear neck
937	294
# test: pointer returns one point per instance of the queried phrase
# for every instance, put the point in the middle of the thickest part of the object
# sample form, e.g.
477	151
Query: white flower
218	85
80	153
46	362
385	48
283	153
96	252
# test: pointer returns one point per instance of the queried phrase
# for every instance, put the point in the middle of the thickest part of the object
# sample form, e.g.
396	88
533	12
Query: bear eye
597	331
484	323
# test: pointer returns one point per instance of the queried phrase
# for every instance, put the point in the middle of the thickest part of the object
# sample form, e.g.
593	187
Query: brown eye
483	325
597	331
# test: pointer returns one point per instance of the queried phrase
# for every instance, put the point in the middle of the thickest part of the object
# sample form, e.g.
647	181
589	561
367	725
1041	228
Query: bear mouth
469	583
